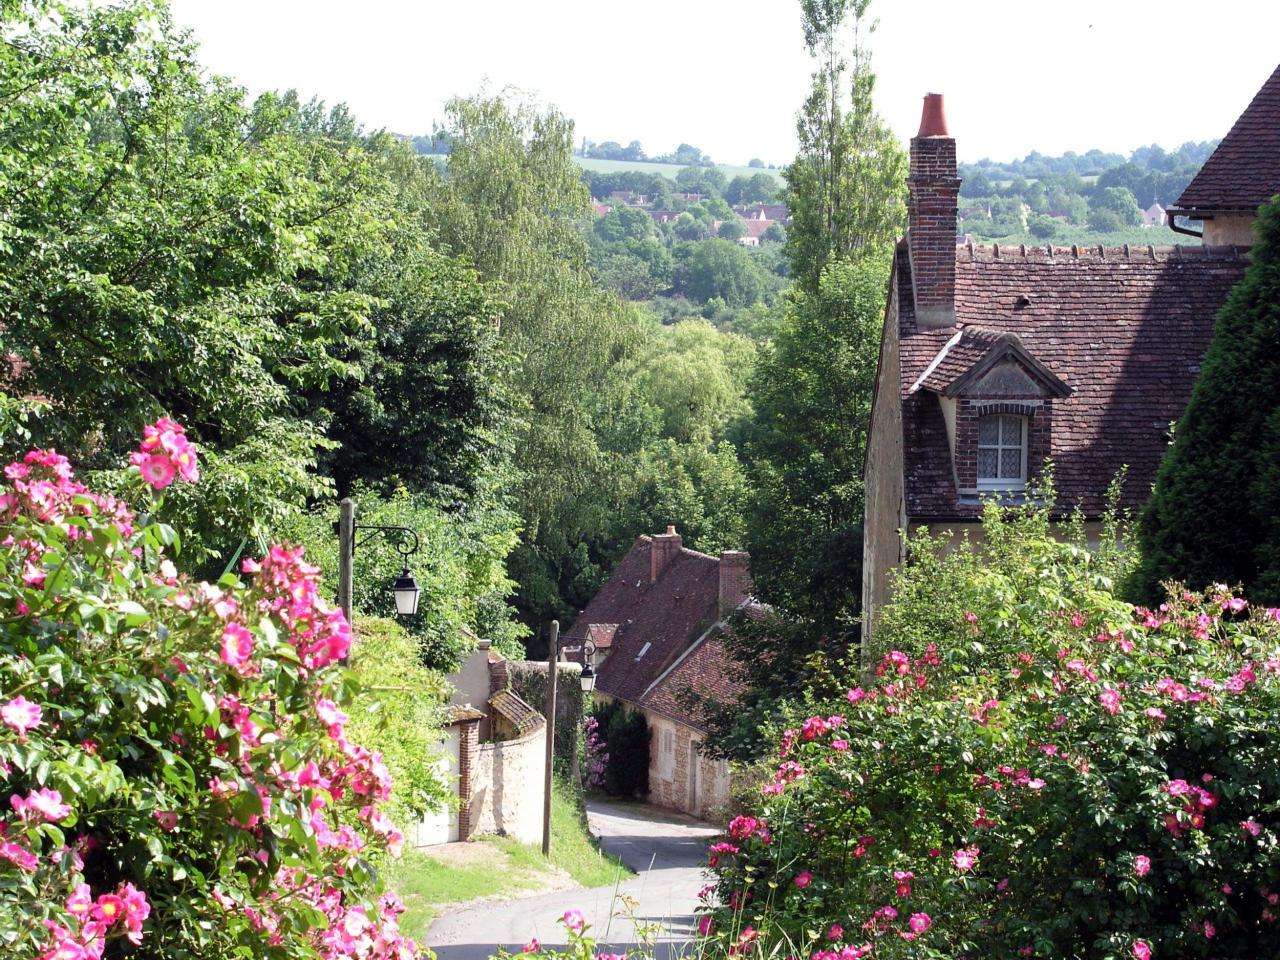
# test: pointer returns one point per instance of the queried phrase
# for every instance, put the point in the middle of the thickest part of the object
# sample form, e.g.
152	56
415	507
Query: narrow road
668	853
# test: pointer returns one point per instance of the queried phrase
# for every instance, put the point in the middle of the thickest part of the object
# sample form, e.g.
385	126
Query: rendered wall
507	787
441	826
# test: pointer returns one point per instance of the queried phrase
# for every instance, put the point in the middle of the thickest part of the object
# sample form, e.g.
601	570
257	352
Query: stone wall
885	514
669	781
507	779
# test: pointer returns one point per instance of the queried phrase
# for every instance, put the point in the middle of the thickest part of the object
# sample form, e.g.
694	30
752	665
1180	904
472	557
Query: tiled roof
974	350
1244	171
508	705
1124	328
602	634
707	670
656	621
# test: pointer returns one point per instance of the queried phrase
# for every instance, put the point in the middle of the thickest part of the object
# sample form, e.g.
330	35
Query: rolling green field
668	170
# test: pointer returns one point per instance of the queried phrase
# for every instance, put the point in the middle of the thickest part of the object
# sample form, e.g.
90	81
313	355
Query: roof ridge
1045	253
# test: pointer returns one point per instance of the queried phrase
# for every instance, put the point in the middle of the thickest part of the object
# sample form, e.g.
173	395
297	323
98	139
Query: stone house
658	624
994	358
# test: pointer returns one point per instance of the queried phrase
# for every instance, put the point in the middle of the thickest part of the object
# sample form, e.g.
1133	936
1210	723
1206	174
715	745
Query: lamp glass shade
406	590
588	679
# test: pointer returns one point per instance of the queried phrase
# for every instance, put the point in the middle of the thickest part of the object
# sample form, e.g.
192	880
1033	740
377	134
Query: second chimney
735	580
933	190
664	549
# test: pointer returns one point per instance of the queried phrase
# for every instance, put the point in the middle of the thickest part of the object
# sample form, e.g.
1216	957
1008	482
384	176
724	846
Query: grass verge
497	866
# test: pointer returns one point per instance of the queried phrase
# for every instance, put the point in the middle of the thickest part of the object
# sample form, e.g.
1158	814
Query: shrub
398	707
626	738
174	753
529	681
1046	772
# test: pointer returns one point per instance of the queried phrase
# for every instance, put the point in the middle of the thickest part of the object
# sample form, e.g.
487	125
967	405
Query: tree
845	187
731	230
624	223
171	252
755	162
1117	200
720	268
759	188
812	391
708	181
1214	516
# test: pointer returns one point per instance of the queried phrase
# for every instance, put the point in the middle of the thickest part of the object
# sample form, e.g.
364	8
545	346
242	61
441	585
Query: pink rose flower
965	858
156	469
574	920
803	879
237	646
21	715
533	946
920	922
1141	950
19	856
44	803
1141	865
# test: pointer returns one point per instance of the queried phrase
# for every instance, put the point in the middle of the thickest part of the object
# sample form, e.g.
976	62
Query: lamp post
405	587
588	680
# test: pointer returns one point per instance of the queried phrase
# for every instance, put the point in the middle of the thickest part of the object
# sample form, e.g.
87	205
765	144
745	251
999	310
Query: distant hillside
668	170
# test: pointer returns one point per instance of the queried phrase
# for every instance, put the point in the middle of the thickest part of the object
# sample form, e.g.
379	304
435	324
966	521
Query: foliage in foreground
175	754
1215	512
1047	772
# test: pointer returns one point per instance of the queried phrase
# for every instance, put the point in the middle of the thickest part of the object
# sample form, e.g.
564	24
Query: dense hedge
626	740
175	755
529	681
1033	768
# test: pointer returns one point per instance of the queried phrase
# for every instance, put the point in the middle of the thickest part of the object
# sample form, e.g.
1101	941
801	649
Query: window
1002	452
667	755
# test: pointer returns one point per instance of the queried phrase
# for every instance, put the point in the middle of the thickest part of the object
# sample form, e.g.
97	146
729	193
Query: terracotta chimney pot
933	121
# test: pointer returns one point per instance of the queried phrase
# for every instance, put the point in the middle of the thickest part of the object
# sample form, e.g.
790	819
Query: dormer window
1002	452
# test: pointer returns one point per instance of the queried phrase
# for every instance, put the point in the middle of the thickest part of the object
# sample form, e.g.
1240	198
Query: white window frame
1003	483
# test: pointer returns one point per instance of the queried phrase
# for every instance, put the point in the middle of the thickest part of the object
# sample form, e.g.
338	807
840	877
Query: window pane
989	431
1010	464
986	464
1012	431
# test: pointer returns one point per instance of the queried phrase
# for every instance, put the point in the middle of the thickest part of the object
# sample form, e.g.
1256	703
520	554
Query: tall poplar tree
845	187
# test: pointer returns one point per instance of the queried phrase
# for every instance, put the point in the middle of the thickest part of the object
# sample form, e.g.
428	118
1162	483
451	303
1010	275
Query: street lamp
405	588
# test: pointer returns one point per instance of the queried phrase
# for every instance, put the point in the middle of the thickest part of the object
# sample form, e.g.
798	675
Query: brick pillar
735	580
933	191
664	548
468	746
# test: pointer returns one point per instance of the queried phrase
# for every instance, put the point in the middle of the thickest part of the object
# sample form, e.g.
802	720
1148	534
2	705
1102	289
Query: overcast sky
728	75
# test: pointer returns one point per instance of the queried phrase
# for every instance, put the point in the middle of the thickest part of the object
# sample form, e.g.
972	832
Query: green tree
705	180
1117	200
812	390
167	251
1214	516
845	187
720	268
732	230
758	188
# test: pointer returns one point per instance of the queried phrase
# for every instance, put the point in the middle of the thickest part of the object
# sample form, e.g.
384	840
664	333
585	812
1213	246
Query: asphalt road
668	853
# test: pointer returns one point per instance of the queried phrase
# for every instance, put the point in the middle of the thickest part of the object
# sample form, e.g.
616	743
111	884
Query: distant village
756	218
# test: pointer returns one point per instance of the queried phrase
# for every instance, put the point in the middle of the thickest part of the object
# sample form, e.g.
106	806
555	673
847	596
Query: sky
728	75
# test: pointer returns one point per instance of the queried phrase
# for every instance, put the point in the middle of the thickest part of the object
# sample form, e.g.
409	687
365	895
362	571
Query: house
764	211
993	358
665	216
756	230
658	625
1240	175
1153	216
601	209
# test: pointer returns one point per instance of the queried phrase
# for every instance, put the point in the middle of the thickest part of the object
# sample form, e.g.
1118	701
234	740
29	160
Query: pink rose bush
175	769
1028	767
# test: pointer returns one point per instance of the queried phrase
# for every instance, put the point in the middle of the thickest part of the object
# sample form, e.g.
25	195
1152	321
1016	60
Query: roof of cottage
706	670
1244	171
971	352
656	622
1124	328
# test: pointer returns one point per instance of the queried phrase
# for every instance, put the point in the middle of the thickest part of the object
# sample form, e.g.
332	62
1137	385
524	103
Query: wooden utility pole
552	673
346	553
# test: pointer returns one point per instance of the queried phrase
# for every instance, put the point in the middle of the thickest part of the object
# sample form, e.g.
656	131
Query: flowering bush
1053	774
173	755
596	753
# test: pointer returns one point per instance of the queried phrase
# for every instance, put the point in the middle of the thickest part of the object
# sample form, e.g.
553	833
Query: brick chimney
933	189
664	549
735	580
